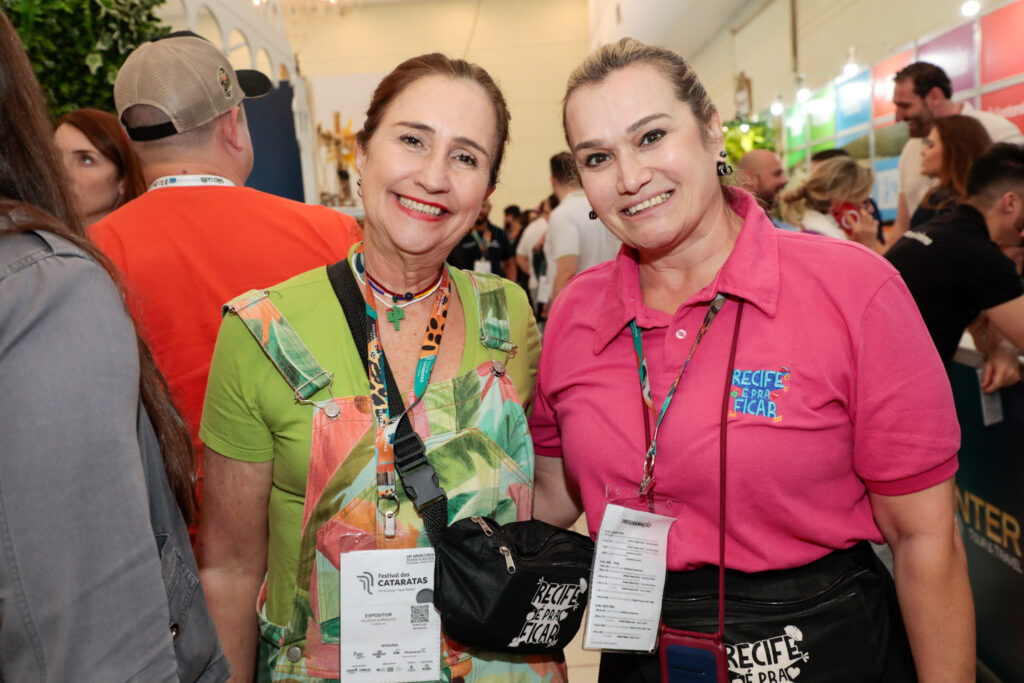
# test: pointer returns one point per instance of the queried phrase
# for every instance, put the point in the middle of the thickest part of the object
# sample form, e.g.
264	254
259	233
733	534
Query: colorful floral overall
476	436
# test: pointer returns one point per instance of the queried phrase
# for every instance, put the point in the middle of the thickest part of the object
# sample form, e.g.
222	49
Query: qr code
419	614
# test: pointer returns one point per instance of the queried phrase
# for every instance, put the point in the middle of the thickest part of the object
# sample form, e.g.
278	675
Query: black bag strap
417	474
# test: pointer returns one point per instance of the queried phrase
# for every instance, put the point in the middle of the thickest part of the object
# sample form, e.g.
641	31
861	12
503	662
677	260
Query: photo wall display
984	64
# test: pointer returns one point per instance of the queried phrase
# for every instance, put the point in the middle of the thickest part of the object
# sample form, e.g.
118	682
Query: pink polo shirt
836	390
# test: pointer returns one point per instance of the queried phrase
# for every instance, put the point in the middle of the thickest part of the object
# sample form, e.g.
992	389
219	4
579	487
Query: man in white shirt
574	241
528	252
922	94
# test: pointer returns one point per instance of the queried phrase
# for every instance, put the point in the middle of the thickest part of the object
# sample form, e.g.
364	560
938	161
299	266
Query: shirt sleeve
522	366
1005	131
232	422
79	572
349	228
525	243
905	428
547	439
563	236
988	274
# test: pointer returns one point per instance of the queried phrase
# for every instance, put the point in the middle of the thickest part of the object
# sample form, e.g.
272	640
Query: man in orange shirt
197	238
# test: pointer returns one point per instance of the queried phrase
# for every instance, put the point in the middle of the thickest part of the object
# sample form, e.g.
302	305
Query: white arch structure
262	27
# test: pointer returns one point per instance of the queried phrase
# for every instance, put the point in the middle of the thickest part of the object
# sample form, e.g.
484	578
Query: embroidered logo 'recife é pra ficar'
757	392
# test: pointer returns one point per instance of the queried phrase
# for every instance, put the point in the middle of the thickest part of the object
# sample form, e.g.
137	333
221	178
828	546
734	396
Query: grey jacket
95	564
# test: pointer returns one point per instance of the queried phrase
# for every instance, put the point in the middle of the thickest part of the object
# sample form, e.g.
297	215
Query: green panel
821	114
796	127
889	140
795	157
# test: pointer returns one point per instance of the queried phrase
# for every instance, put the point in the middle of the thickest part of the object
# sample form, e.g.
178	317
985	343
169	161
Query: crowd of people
175	357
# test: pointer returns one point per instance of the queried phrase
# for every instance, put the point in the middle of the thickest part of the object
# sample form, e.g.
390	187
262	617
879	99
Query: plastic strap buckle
418	476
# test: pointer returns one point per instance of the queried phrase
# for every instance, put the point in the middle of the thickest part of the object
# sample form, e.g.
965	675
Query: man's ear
1011	201
231	129
934	97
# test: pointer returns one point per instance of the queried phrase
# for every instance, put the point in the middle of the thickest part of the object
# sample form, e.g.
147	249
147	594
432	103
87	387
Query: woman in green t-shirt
300	474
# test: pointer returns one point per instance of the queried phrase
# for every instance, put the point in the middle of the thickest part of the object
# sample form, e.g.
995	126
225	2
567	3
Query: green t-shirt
250	413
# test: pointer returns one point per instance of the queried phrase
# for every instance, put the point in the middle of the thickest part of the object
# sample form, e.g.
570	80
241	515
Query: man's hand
1002	368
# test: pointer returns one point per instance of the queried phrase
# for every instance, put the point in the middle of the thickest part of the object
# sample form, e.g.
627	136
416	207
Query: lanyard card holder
628	576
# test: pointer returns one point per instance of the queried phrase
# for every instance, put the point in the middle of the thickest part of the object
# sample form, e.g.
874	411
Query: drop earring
359	187
723	168
593	215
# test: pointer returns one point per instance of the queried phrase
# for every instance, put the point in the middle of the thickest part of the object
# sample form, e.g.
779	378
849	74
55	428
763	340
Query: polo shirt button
680	334
294	653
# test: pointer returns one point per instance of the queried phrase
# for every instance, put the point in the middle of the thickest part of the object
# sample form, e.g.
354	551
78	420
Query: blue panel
278	167
853	101
887	186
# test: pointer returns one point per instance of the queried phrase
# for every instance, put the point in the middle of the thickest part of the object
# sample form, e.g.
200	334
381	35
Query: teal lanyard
647	482
483	244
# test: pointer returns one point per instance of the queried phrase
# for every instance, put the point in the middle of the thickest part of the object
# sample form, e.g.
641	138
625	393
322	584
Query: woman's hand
865	230
930	569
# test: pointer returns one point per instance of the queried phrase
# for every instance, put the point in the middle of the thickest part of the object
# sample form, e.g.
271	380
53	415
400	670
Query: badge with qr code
390	631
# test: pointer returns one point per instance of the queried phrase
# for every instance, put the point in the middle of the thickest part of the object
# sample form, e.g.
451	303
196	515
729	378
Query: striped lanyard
647	482
190	181
385	426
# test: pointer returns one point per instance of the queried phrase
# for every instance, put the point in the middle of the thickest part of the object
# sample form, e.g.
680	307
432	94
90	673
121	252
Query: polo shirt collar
750	273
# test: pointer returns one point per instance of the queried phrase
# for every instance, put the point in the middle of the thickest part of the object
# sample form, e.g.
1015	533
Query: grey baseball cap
187	78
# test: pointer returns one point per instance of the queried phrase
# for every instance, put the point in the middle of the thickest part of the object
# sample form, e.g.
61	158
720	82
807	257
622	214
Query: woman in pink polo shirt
817	368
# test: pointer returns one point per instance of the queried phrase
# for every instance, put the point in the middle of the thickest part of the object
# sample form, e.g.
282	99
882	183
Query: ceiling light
803	94
970	8
776	108
851	69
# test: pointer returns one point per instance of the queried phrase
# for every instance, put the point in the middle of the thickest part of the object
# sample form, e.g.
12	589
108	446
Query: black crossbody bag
520	587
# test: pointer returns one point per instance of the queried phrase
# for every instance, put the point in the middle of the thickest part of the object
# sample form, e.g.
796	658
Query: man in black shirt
485	249
955	269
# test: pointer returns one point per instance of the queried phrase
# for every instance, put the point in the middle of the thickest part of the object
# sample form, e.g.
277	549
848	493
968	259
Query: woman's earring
359	187
593	215
723	168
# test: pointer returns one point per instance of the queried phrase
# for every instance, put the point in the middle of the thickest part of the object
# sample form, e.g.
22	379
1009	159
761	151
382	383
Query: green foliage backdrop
758	135
77	46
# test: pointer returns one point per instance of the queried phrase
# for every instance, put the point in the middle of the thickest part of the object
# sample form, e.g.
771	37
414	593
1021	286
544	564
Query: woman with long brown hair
947	155
104	170
90	513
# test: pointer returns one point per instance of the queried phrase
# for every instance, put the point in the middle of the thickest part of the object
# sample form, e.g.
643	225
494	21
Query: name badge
481	265
627	581
390	631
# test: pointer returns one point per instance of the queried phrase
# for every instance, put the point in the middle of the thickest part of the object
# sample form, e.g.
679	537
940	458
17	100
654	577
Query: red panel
1001	33
881	82
1008	102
